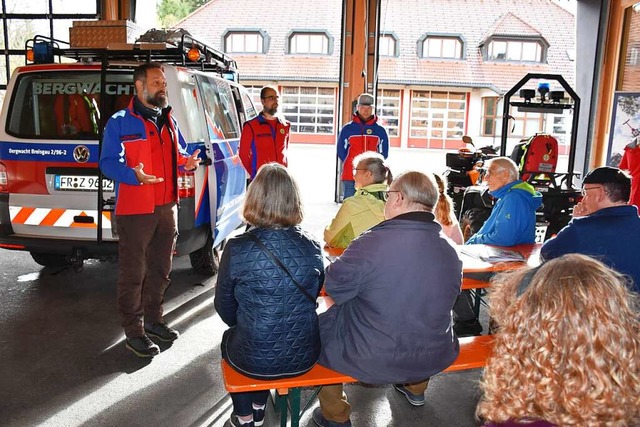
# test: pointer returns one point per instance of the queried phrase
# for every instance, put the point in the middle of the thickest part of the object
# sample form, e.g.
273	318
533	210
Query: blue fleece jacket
513	218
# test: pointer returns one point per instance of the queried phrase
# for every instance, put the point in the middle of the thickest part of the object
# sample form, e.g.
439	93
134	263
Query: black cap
605	175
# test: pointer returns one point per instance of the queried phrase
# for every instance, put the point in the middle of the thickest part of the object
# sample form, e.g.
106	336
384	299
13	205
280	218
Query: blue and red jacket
128	140
359	136
262	143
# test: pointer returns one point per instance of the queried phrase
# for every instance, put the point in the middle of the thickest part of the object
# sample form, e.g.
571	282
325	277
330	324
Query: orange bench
478	290
474	352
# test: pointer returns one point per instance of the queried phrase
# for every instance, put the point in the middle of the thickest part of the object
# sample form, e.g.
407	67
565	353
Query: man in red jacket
265	138
361	134
142	149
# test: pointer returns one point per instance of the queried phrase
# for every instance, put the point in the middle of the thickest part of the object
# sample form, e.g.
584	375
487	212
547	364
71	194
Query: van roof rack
175	47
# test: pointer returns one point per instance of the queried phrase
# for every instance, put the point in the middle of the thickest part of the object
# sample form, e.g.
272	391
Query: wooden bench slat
319	375
469	283
474	352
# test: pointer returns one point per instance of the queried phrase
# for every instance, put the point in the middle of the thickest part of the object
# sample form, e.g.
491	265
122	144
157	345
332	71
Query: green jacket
357	214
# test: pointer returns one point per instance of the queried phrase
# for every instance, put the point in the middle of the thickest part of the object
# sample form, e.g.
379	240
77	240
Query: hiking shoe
258	416
234	421
161	331
467	328
414	399
142	346
321	421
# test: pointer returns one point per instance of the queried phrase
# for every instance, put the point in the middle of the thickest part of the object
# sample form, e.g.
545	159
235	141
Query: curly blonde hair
567	348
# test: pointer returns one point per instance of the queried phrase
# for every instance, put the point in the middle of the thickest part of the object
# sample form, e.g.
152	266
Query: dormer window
516	50
245	41
310	43
388	45
441	46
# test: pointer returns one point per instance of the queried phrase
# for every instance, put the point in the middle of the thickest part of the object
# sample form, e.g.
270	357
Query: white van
54	202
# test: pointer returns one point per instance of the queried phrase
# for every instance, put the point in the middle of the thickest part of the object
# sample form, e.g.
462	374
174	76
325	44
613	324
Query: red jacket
261	143
631	162
359	136
129	140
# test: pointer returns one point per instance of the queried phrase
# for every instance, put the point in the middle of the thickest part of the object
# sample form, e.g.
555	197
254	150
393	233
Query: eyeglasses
385	194
271	98
585	189
358	169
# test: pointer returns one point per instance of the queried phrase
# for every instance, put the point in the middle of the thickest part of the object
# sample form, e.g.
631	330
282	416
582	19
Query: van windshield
65	104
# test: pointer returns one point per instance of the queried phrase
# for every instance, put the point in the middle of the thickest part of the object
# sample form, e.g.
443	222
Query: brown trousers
334	405
145	253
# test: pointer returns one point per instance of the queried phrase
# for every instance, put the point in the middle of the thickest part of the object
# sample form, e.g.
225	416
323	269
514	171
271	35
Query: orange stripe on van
23	215
52	217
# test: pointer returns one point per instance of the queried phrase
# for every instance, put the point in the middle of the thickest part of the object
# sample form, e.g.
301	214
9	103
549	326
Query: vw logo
81	154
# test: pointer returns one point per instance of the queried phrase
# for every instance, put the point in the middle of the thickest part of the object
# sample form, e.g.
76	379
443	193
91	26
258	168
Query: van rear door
49	148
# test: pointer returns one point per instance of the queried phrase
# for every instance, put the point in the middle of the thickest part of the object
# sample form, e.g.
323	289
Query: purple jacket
394	288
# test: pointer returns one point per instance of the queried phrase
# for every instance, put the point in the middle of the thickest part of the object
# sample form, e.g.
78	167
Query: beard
271	111
159	99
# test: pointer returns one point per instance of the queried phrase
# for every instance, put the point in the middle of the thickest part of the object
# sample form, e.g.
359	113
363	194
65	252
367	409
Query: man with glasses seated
512	222
393	288
604	225
265	138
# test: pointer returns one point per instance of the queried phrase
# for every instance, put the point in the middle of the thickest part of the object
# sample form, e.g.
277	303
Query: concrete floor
63	361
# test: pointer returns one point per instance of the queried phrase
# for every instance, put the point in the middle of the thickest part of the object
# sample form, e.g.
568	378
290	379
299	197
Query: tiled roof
409	20
509	24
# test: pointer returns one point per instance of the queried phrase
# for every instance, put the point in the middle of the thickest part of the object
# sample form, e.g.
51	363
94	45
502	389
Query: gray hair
505	164
418	188
374	163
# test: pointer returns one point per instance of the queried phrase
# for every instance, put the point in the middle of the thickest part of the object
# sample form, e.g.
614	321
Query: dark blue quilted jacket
274	326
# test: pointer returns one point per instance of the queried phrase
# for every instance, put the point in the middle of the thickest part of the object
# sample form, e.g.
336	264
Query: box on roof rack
99	34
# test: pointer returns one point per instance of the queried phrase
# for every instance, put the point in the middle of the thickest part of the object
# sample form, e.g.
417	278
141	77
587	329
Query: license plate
81	183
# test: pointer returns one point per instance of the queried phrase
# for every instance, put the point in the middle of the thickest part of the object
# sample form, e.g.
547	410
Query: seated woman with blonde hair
364	209
567	349
444	212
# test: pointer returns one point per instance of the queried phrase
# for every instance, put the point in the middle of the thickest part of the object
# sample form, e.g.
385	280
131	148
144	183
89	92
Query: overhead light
193	54
543	89
556	95
527	94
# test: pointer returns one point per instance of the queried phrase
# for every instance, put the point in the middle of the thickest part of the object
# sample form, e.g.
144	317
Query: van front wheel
206	259
50	260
